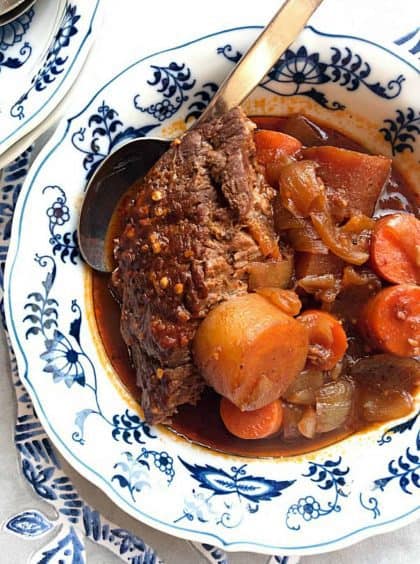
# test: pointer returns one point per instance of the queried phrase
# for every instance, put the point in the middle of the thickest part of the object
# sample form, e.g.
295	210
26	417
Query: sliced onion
273	168
314	282
301	191
333	405
306	240
292	414
276	274
359	223
325	287
303	389
386	405
284	220
286	300
303	194
351	277
339	242
307	424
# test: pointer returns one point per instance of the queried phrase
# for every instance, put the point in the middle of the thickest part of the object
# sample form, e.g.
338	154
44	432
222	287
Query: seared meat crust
199	217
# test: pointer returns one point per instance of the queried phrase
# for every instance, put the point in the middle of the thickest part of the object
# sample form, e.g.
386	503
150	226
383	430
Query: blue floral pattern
30	92
11	35
39	464
398	429
244	492
67	30
67	362
131	428
58	213
16	62
11	179
403	131
62	361
327	476
172	82
215	555
29	523
42	471
371	504
134	472
299	72
54	63
405	471
13	32
411	36
106	132
202	100
68	546
221	497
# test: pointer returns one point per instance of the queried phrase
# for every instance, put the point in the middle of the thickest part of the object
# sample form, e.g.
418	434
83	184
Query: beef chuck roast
199	217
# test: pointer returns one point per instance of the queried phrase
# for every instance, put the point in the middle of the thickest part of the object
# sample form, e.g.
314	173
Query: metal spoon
133	160
11	9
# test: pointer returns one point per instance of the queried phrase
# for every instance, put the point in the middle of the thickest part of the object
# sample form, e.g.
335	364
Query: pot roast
198	218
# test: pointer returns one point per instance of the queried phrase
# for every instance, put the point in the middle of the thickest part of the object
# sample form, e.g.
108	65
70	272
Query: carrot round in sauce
395	248
327	338
391	320
271	144
256	424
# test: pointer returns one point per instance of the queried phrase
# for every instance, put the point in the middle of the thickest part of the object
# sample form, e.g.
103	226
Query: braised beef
199	217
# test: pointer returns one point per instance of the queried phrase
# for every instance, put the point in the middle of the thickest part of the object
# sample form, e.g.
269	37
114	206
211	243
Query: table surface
123	37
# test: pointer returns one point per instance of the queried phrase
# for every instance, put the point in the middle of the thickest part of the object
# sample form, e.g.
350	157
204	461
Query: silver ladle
134	159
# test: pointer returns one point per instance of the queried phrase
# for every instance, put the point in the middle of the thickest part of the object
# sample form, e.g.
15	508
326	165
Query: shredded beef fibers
201	214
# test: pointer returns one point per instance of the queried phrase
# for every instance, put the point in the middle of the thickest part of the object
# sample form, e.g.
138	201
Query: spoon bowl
107	186
12	9
133	160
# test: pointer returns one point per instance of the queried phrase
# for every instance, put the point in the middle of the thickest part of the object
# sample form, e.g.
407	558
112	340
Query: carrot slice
391	320
272	149
271	144
395	248
256	424
327	338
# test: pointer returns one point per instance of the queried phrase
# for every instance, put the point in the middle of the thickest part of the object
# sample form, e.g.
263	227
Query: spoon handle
261	56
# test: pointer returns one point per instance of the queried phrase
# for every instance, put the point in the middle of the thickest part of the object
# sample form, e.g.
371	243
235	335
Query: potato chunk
250	351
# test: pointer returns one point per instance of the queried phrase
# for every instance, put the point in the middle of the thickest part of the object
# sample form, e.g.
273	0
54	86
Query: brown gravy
202	424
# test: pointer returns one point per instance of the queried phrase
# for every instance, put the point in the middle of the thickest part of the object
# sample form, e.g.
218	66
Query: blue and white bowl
41	54
366	484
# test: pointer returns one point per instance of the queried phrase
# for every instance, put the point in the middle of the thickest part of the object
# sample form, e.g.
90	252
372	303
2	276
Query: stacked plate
41	54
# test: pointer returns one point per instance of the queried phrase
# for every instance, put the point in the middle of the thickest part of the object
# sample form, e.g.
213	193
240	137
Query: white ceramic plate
313	503
41	54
